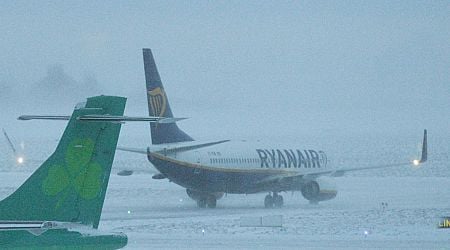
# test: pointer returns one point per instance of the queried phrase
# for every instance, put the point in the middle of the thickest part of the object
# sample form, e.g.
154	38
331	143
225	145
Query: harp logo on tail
158	101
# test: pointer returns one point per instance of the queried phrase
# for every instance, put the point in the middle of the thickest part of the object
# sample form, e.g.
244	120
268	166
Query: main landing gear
274	200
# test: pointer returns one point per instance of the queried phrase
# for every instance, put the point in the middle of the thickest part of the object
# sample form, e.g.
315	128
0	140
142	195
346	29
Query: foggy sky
236	68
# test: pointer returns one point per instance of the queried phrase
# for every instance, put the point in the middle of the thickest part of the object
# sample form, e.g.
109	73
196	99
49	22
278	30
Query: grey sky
266	68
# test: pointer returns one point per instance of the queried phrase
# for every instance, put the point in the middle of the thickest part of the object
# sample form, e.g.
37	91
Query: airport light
20	159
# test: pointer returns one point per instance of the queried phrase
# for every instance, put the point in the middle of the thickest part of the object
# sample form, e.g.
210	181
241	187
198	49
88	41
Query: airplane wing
283	177
113	118
416	162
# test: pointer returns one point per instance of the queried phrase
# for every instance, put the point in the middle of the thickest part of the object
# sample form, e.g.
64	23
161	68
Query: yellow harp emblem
157	101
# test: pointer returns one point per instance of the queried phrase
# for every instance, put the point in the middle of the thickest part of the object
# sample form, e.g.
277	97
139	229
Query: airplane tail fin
158	105
70	186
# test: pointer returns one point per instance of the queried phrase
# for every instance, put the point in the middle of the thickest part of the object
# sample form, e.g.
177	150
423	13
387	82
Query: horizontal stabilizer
103	118
125	173
133	150
112	118
29	225
44	117
168	148
159	176
17	225
193	146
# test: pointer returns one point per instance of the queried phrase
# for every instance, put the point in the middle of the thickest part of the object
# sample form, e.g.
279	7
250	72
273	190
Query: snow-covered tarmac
158	214
162	216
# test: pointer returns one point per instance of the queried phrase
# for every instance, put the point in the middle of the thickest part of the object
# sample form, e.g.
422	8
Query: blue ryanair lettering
281	159
323	158
289	158
263	158
272	156
302	160
314	159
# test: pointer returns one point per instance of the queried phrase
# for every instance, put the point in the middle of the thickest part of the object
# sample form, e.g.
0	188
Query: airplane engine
320	189
197	195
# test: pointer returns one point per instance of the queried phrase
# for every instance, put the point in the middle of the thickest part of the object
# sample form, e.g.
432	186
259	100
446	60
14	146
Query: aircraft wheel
278	201
268	201
211	202
201	203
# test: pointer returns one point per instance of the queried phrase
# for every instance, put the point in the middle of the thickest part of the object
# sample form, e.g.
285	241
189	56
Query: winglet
424	156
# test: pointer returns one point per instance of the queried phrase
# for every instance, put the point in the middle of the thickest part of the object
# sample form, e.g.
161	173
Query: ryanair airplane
208	170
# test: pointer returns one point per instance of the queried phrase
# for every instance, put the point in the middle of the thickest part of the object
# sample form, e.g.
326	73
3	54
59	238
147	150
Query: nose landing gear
204	199
209	201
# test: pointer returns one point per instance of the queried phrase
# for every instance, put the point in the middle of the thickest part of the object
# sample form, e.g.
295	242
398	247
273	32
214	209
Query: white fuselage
249	156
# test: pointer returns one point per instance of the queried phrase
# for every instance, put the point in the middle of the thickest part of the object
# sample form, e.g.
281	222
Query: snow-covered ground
158	214
162	216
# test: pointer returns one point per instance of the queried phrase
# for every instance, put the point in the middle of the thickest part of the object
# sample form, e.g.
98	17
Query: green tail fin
71	184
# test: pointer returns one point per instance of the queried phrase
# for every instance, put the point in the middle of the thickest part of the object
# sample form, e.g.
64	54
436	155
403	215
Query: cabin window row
234	161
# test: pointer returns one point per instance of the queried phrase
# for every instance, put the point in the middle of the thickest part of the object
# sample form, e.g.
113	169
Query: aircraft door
197	157
197	160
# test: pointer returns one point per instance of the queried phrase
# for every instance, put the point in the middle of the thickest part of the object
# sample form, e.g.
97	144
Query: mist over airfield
358	79
237	69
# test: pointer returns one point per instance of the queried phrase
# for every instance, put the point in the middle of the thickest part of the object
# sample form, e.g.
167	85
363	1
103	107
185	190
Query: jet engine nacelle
320	189
198	195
